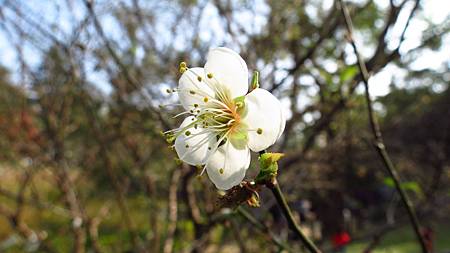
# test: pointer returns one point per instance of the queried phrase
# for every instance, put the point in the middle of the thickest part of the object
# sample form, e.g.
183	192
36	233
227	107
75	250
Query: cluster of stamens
217	115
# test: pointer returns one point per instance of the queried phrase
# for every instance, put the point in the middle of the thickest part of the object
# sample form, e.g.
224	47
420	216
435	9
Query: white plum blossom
224	121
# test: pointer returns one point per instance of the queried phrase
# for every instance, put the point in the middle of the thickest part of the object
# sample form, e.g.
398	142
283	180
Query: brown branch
74	206
190	197
120	196
129	78
102	140
234	226
378	140
375	241
173	210
378	60
17	223
246	190
262	228
36	203
330	25
279	196
93	224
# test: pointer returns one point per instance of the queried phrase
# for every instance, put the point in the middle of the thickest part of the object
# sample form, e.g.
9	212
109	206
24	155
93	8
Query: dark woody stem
263	228
281	201
275	188
375	128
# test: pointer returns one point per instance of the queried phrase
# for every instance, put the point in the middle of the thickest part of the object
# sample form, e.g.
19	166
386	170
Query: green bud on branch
255	80
268	163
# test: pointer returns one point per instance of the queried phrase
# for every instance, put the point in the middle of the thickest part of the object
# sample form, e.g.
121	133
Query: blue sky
47	10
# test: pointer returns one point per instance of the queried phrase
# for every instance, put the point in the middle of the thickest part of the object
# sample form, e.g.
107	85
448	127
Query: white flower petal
282	123
227	166
192	90
229	69
264	119
193	149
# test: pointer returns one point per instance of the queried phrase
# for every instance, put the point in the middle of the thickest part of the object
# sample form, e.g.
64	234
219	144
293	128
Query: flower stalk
281	200
267	175
247	191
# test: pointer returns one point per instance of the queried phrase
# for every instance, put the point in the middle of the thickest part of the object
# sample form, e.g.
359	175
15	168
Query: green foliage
402	240
409	186
348	73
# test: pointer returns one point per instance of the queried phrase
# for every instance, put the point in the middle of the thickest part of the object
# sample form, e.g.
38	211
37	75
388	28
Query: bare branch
378	140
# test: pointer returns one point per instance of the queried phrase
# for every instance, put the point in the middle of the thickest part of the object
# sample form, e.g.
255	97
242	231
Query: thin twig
234	226
330	24
378	140
73	204
279	196
173	210
263	229
379	59
123	68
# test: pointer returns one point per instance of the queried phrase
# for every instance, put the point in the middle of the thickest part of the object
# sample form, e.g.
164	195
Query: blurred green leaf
410	186
348	73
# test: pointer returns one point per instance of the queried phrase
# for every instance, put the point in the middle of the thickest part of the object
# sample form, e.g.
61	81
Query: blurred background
83	166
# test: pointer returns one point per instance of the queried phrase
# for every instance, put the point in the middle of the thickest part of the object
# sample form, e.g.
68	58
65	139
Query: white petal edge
262	111
194	153
233	162
283	122
229	69
192	91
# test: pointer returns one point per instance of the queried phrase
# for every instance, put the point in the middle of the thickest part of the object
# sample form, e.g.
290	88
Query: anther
183	64
209	75
187	133
259	131
183	69
195	105
168	91
187	146
192	92
205	100
221	170
199	78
